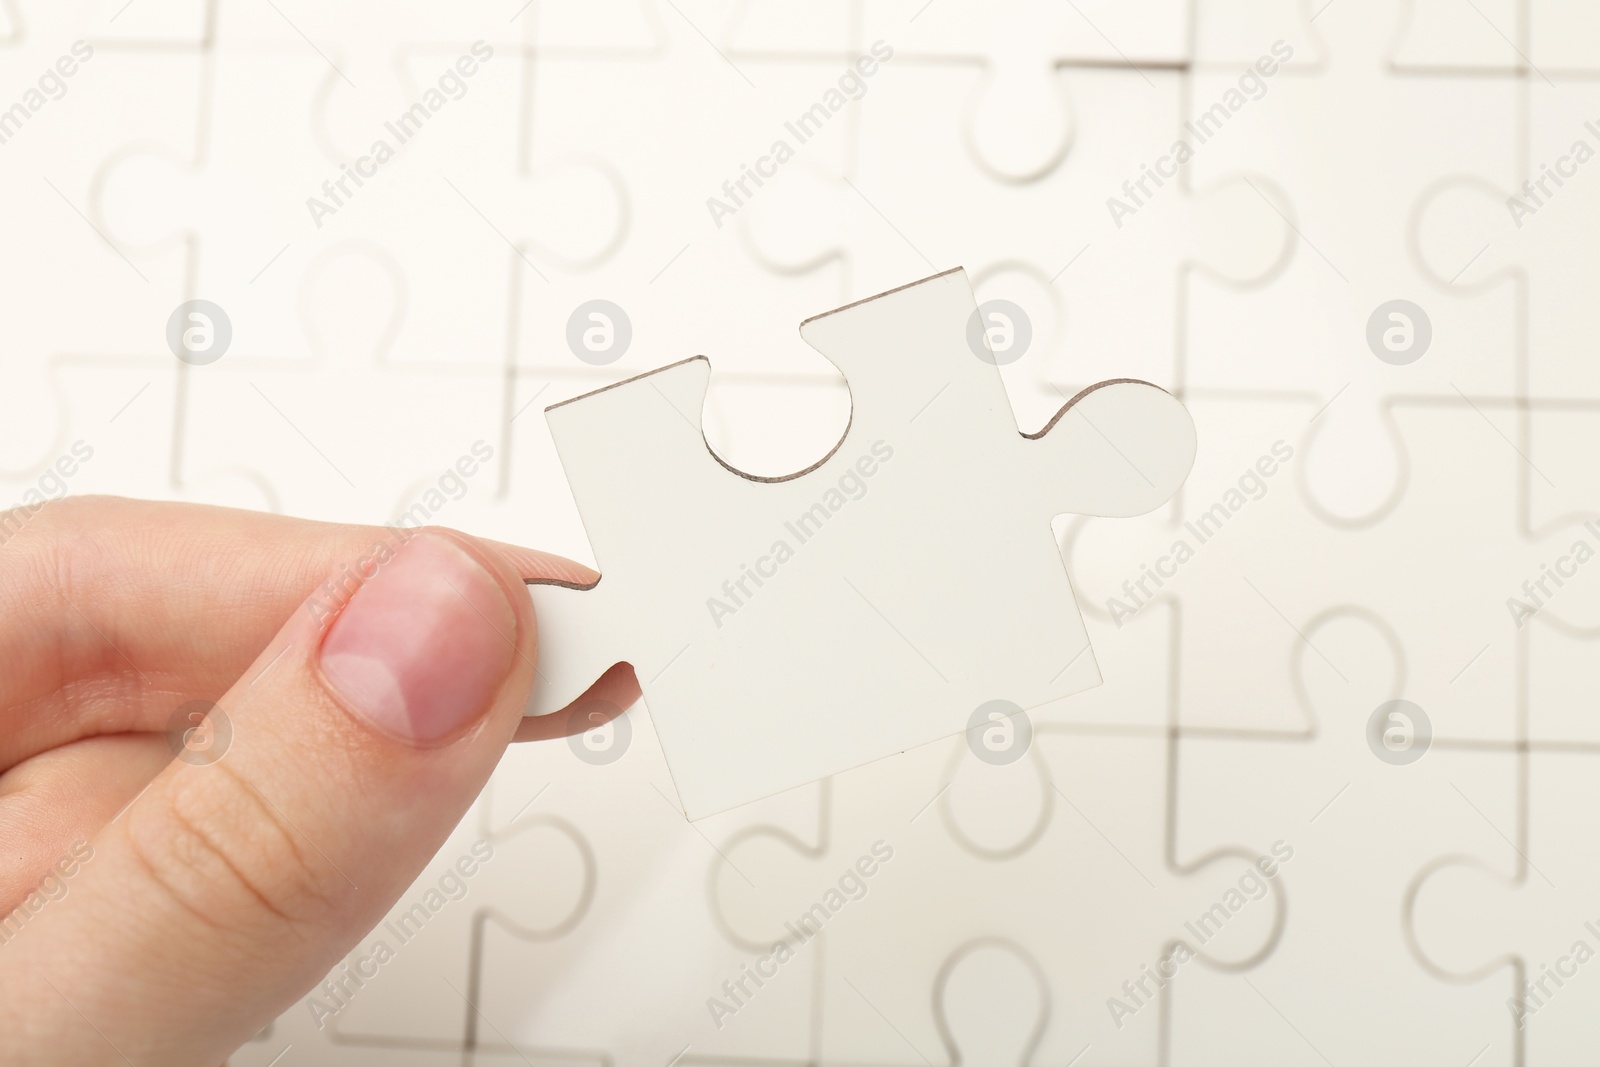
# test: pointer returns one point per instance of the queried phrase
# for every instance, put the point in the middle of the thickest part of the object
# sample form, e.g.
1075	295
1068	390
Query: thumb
251	866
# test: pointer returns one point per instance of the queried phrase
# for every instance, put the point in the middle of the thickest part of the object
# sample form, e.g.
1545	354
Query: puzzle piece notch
932	445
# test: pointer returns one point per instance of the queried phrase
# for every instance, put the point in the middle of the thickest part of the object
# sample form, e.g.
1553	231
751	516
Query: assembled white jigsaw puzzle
1167	638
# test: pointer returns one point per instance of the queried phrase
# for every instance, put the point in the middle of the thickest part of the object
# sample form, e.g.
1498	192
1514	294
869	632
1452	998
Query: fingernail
424	644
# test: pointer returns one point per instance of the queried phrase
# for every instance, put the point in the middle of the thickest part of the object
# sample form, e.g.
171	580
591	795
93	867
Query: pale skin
219	893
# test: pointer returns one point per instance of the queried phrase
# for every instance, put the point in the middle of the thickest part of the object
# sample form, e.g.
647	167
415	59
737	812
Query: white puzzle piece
787	629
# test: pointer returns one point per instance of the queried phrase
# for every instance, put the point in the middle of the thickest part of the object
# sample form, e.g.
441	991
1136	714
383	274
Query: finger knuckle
221	851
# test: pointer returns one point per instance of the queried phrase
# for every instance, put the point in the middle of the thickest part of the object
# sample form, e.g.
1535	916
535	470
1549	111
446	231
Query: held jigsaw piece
786	629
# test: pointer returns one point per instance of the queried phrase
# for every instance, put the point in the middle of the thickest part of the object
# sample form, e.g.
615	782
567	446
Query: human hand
173	907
